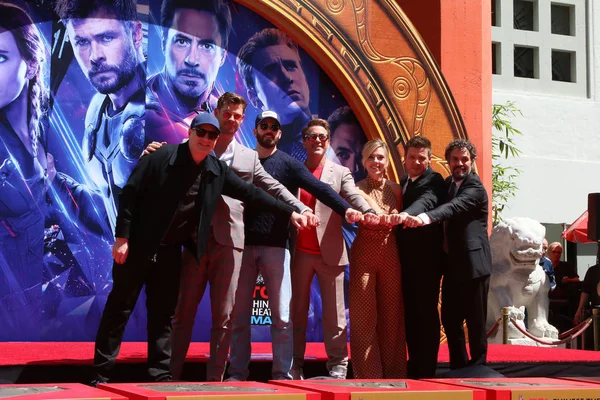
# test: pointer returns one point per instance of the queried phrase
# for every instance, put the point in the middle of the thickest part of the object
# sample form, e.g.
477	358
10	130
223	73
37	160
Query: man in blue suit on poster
271	69
107	42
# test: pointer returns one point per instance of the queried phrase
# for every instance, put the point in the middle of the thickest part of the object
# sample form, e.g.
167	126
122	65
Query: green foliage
503	147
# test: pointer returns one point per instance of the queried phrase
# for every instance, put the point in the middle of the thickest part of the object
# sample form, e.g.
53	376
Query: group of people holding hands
190	214
194	213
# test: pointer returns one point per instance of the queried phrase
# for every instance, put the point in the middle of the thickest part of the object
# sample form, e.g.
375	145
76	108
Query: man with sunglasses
266	250
170	195
322	251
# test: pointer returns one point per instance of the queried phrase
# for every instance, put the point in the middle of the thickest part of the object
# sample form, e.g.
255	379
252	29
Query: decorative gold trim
380	64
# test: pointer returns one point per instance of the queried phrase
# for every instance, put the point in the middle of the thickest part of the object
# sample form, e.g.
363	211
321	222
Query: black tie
409	184
452	191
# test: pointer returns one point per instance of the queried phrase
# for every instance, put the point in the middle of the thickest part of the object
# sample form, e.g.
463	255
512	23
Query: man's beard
267	143
459	175
124	73
190	90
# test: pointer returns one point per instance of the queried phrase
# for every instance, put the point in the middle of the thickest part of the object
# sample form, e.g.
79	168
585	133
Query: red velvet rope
587	323
567	333
494	328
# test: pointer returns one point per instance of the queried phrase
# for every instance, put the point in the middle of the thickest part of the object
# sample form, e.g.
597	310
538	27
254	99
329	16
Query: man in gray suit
222	262
322	251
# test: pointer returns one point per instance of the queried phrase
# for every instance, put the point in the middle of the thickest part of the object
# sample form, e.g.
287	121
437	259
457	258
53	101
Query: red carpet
78	353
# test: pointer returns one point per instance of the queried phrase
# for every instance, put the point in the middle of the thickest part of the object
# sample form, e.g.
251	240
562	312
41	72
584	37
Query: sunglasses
201	132
264	126
313	136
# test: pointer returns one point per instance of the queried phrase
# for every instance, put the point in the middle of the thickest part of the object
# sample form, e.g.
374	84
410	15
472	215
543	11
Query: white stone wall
561	121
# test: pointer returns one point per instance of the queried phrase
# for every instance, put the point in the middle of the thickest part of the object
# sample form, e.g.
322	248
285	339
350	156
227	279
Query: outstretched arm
471	197
322	191
239	189
263	180
430	197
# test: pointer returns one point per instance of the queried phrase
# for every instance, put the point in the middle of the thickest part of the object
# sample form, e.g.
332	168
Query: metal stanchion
505	321
596	323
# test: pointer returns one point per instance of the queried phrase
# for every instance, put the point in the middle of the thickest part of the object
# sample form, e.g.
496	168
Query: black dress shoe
97	382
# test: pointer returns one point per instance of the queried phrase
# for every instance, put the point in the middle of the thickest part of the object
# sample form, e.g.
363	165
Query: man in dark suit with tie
467	278
421	254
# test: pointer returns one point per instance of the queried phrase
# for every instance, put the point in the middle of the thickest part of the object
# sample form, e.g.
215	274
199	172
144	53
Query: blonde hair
373	145
553	245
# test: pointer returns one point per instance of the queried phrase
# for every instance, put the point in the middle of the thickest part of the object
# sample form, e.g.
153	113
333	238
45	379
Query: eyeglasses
264	126
313	136
201	132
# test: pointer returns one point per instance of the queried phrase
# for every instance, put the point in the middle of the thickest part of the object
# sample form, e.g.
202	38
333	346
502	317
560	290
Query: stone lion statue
517	278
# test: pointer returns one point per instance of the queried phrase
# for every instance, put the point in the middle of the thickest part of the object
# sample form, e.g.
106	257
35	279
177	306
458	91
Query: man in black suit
421	256
170	195
467	278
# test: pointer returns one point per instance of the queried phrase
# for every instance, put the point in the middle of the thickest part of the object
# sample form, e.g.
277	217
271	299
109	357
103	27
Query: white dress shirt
227	155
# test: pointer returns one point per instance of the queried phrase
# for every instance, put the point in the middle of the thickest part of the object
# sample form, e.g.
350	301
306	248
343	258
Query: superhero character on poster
34	194
96	83
97	122
107	44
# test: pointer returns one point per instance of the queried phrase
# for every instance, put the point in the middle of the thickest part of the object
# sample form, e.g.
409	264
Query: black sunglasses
264	126
313	136
201	132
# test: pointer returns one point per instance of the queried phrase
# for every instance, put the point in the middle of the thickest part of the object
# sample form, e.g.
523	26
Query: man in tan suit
221	264
322	251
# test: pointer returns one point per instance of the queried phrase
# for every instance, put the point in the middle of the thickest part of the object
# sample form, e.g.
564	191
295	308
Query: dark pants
465	300
421	290
161	278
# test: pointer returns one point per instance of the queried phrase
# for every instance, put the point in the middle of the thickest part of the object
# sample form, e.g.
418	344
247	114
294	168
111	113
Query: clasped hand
389	220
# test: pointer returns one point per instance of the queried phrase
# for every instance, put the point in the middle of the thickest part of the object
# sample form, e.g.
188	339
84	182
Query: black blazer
466	217
151	197
421	246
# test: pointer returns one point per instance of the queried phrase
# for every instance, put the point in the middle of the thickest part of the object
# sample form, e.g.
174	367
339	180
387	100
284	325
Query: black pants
161	278
421	290
465	300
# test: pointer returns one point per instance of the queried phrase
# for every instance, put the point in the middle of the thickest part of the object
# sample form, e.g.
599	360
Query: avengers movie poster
84	88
